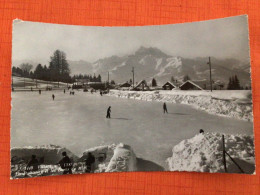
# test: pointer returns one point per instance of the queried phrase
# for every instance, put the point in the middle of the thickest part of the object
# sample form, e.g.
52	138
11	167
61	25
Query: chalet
126	84
194	85
142	85
169	86
97	85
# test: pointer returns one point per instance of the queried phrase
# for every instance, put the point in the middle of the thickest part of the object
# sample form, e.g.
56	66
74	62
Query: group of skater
109	110
66	163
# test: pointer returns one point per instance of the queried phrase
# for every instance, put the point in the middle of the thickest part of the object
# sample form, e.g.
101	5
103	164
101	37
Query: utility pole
133	71
12	82
107	79
210	79
224	153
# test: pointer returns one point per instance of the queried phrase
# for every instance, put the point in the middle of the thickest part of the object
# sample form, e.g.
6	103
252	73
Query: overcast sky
221	38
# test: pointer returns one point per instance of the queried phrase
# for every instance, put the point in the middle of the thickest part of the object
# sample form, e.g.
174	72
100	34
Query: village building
169	86
126	84
142	86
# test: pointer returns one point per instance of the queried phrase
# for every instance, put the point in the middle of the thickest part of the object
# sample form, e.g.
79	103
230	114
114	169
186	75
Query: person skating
40	91
53	96
66	164
89	162
33	164
64	91
108	112
165	108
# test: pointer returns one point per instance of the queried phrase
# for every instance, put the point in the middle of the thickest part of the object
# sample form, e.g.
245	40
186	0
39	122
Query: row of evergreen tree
233	83
90	78
58	70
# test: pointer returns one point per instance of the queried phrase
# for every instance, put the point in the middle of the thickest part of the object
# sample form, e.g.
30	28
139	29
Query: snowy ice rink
78	122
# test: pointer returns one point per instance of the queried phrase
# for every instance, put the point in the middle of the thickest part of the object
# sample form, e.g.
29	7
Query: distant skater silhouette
40	91
53	96
89	162
164	108
64	91
66	164
108	112
33	164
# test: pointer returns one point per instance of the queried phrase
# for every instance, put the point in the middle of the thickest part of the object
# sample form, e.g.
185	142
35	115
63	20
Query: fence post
224	153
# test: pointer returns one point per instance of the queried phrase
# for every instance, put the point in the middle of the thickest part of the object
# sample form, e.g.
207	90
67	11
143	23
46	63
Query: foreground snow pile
51	153
123	159
236	104
203	153
103	155
109	158
113	158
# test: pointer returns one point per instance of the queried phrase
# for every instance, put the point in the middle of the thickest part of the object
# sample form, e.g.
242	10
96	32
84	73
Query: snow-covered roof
198	84
170	84
125	83
142	81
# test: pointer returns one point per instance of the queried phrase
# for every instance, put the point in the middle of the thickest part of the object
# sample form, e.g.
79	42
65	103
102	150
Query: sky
220	38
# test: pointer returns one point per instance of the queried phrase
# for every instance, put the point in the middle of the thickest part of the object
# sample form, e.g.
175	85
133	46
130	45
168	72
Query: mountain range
152	63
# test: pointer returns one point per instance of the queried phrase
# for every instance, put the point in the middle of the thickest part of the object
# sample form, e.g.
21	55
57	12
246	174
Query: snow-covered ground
204	153
21	83
78	123
110	158
231	103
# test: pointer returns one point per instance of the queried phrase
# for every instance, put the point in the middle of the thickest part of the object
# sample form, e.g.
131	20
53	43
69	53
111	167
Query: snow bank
102	154
236	104
203	153
109	158
51	154
113	158
123	159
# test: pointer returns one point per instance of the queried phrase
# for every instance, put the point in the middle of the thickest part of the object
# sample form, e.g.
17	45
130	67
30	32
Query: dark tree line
90	78
234	83
58	69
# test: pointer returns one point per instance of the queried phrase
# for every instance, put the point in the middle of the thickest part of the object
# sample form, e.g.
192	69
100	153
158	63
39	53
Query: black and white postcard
90	99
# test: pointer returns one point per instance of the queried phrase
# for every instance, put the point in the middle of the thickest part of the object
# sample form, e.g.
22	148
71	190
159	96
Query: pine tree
154	83
59	67
186	78
236	83
99	78
172	79
38	72
229	87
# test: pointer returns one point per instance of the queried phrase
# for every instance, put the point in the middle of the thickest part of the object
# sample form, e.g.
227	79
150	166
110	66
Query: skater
165	108
101	93
40	91
33	164
201	131
108	112
90	162
66	164
53	96
64	91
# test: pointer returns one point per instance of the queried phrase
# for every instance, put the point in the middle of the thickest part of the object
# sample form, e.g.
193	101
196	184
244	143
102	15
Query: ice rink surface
79	122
